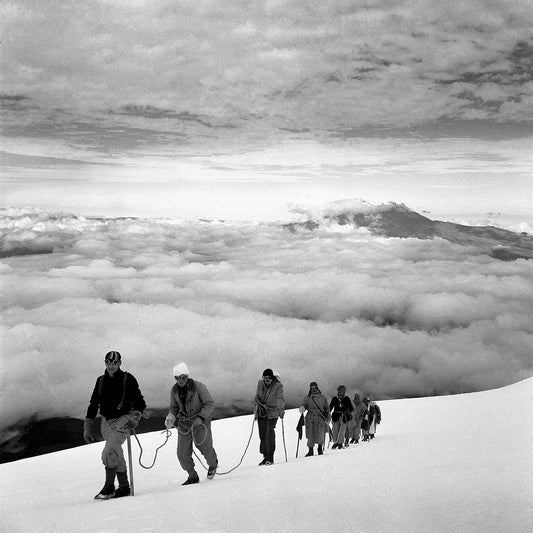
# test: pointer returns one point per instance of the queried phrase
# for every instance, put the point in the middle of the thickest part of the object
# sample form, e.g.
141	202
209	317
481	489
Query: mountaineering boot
310	452
192	479
122	491
320	452
108	491
212	471
263	462
123	485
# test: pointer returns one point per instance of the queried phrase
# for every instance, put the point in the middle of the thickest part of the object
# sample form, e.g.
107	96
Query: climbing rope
241	459
192	432
168	434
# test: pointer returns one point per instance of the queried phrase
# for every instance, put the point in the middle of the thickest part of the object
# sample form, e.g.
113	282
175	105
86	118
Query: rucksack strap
319	410
101	384
119	407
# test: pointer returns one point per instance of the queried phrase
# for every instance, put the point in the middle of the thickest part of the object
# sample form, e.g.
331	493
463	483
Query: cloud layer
389	317
199	70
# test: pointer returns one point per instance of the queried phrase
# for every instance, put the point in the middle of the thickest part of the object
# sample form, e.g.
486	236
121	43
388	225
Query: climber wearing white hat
191	407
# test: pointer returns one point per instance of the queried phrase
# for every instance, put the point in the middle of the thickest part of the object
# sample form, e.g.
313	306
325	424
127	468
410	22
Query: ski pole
297	446
283	433
131	464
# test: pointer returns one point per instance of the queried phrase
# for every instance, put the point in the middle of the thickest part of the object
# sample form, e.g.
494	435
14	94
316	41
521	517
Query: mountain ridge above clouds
391	220
398	221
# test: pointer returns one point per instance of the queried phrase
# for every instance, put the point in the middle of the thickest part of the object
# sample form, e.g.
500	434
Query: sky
392	317
237	110
453	463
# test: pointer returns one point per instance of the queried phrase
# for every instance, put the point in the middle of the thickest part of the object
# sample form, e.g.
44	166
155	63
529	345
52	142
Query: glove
197	422
282	414
302	409
88	430
133	419
169	421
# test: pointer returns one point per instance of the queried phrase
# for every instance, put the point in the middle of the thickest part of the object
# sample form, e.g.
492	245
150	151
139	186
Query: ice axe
130	461
130	457
283	433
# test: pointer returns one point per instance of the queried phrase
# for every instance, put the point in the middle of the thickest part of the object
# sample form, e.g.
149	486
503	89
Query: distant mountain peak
397	220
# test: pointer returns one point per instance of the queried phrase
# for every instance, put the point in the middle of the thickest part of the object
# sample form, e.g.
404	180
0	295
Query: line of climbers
349	420
117	396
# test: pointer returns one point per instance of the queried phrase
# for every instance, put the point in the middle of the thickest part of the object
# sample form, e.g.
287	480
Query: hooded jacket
317	407
359	412
368	416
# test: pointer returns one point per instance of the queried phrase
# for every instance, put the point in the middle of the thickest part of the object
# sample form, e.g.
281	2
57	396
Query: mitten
169	421
88	430
302	409
133	419
197	422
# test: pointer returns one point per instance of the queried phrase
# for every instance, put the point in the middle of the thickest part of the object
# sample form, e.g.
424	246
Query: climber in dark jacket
341	408
118	397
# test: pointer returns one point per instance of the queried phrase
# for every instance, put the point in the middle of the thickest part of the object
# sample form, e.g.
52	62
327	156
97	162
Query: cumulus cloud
388	317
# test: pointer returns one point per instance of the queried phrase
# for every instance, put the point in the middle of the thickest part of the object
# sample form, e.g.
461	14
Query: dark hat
341	388
113	357
314	384
366	400
268	372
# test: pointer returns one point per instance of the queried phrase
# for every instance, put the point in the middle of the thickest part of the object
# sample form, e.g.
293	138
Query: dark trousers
267	435
203	440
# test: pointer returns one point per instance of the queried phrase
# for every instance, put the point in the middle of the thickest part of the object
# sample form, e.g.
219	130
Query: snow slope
452	463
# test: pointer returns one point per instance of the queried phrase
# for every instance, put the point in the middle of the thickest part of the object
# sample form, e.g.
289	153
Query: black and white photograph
266	266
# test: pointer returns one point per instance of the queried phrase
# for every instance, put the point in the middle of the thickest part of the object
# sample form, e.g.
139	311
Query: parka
316	407
198	401
271	397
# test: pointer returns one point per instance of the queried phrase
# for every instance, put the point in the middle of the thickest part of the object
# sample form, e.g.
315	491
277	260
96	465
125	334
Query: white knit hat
180	369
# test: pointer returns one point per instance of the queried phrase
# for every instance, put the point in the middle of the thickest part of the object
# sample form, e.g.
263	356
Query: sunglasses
111	362
181	378
267	378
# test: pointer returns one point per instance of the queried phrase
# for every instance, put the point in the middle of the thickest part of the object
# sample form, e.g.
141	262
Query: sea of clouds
387	317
